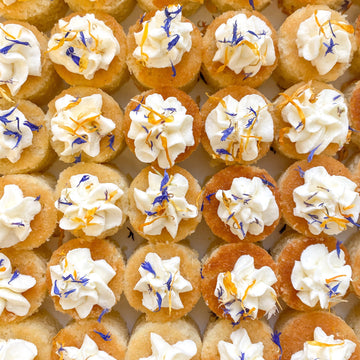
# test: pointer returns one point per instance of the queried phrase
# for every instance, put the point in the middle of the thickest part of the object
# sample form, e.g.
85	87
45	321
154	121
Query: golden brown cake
85	122
352	244
188	6
239	59
241	204
227	5
85	277
354	111
290	6
164	49
355	64
172	272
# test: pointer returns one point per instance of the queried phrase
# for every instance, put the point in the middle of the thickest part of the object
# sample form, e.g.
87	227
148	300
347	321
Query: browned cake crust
355	64
99	249
191	109
110	109
189	269
189	6
258	331
222	181
291	179
290	6
187	70
223	259
289	252
237	92
109	79
111	324
354	111
186	226
297	328
227	5
228	77
282	143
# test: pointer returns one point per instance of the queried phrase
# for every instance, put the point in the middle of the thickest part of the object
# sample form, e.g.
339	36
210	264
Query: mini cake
92	200
24	138
81	59
27	212
164	205
155	341
164	49
354	110
238	125
41	13
355	64
22	284
314	274
251	339
163	281
319	198
105	339
29	339
118	9
188	6
241	204
239	48
227	5
311	118
239	281
316	335
85	277
290	6
26	71
85	122
162	126
315	43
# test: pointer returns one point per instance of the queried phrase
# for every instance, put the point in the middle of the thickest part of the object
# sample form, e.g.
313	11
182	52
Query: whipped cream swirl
182	350
83	45
20	56
244	45
161	283
89	205
325	347
324	42
12	285
17	349
241	347
320	276
79	125
329	203
245	290
164	39
161	130
316	120
248	206
80	282
235	129
88	351
8	2
16	214
164	203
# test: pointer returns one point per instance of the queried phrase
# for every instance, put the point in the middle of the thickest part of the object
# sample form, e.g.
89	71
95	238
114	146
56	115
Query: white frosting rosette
244	44
20	56
17	349
164	38
83	45
80	282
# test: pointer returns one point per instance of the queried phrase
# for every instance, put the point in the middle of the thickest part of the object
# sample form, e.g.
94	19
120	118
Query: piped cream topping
164	203
161	130
244	45
161	283
20	56
245	290
235	129
329	203
248	206
241	347
14	349
163	39
16	214
83	45
316	120
12	286
182	350
89	205
79	124
81	283
325	347
323	41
